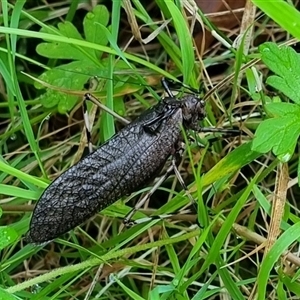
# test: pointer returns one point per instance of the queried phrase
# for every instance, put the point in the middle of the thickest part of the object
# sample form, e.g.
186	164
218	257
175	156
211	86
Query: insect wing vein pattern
122	165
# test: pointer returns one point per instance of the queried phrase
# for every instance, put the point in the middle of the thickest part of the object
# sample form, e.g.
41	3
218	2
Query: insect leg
87	125
127	219
90	97
181	181
166	81
173	167
93	99
221	130
226	133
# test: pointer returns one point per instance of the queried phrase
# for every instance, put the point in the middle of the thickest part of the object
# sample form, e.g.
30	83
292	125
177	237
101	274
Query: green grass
234	180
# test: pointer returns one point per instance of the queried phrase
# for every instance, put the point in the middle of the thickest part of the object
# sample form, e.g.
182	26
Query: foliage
280	133
204	251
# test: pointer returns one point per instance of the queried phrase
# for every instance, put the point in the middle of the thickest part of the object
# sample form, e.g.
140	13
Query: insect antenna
176	85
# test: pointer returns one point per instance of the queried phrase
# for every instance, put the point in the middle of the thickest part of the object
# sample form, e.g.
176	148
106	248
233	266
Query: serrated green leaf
285	63
273	134
92	32
67	29
63	101
72	76
288	88
279	109
64	50
281	133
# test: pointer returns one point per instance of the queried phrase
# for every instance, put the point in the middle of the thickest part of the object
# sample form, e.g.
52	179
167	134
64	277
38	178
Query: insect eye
200	109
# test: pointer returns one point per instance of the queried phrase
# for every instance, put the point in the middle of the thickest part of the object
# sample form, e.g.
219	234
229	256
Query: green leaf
184	37
278	109
74	75
7	236
71	76
59	50
279	134
291	285
15	191
161	289
128	291
6	296
283	13
232	162
223	232
92	32
298	171
278	249
252	84
285	63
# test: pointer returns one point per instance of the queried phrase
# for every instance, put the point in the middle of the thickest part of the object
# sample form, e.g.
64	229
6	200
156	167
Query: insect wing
125	163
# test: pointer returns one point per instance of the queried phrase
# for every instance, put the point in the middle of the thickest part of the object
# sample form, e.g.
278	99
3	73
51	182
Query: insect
124	164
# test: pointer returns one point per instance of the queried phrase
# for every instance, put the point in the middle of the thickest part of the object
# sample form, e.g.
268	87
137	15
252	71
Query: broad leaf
74	75
280	133
64	50
92	31
284	62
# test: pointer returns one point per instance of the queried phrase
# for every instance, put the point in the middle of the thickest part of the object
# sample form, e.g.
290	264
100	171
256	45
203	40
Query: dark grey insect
124	164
